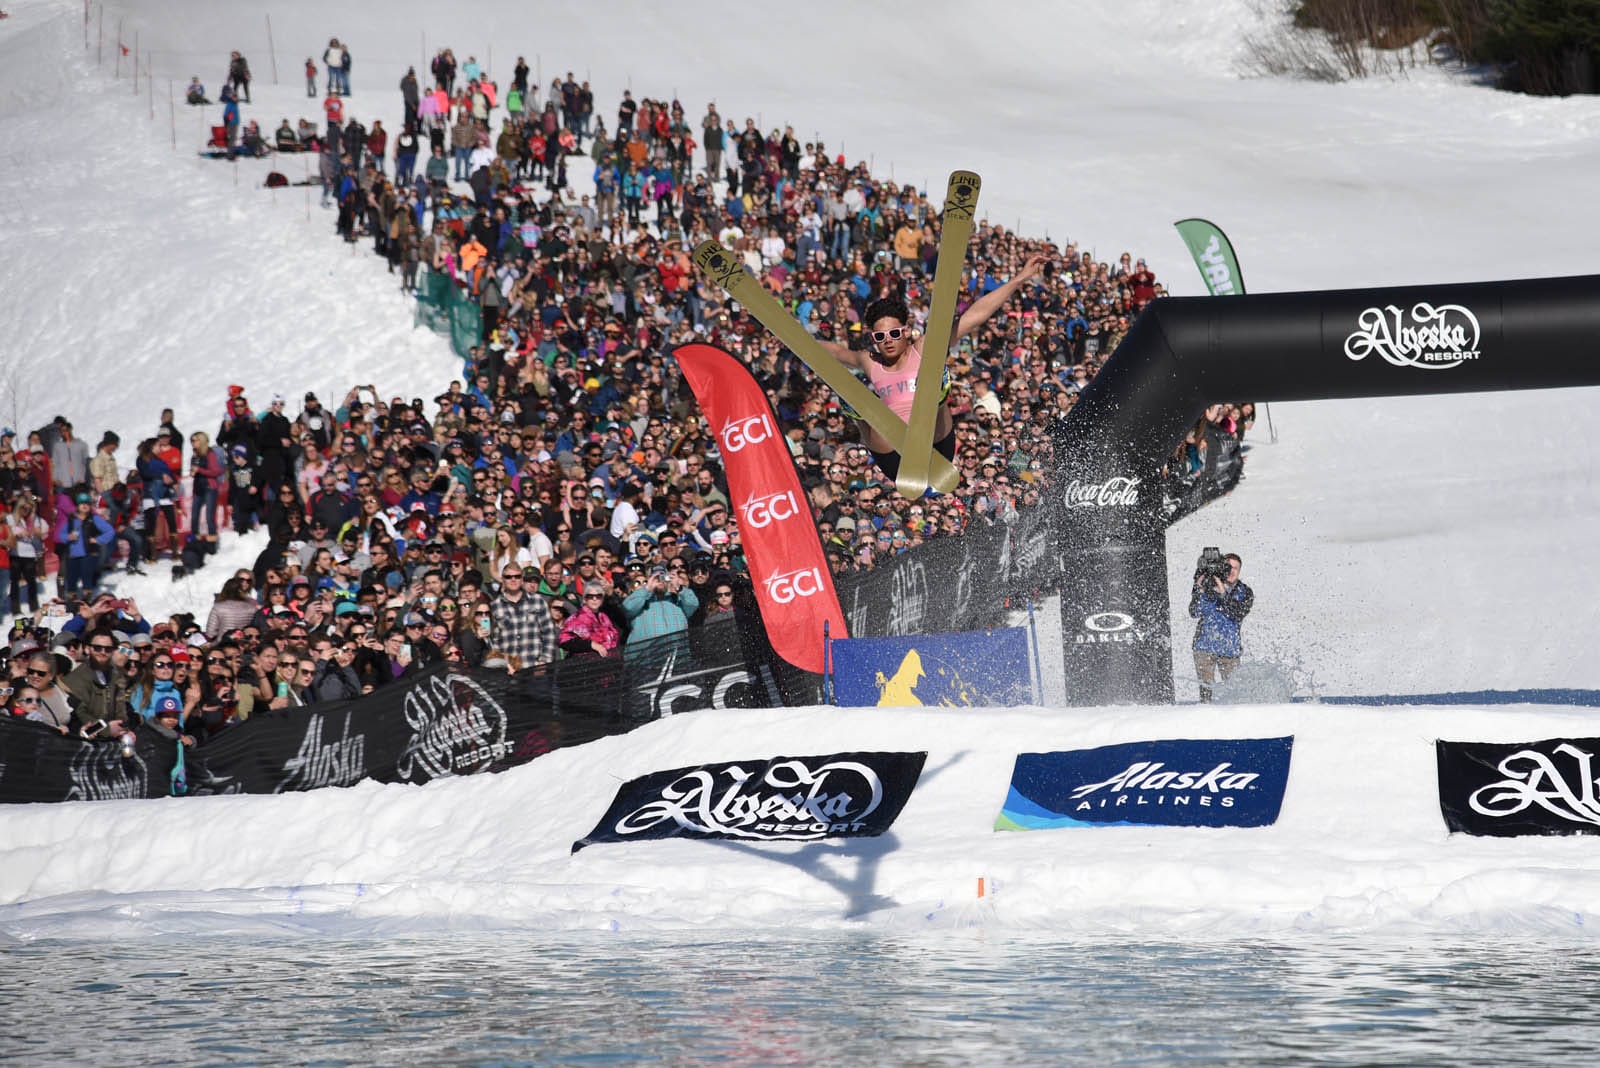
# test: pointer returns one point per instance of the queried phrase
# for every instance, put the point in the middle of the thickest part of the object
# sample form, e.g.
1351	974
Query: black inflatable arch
1183	354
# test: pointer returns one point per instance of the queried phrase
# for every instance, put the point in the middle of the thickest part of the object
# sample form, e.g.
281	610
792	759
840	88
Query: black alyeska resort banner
1523	788
782	799
448	721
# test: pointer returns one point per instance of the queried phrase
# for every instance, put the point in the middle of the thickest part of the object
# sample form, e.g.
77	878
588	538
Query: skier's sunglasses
880	336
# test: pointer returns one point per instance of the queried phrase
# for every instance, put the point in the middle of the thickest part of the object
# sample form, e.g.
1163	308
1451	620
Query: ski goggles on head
896	334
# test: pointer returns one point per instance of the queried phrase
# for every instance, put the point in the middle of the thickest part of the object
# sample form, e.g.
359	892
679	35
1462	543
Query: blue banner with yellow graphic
968	669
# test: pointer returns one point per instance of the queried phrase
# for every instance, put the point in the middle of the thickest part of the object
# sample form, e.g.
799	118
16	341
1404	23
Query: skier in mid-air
893	358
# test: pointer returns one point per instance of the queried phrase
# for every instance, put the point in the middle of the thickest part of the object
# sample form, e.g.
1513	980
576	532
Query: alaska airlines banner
790	799
972	668
1522	788
1235	782
793	583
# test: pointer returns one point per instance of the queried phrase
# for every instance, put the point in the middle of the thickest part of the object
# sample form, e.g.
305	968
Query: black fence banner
784	799
447	721
1525	788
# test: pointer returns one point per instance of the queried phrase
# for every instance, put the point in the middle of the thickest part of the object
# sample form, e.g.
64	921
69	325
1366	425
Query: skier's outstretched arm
985	306
843	353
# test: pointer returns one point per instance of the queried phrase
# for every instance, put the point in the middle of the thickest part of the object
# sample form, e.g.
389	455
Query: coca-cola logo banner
1116	492
792	799
1520	788
1233	782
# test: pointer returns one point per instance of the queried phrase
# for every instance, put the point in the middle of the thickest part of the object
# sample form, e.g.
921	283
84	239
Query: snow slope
1397	547
1359	844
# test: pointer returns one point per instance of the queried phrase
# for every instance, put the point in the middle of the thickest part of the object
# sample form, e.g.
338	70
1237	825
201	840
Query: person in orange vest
472	251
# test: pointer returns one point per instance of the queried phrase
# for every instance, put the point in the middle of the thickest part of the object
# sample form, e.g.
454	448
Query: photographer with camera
1220	602
661	607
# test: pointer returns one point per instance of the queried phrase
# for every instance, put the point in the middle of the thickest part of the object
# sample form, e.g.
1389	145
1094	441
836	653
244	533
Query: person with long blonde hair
206	468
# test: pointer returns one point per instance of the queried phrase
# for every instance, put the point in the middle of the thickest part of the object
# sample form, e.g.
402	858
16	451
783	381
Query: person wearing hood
165	726
244	488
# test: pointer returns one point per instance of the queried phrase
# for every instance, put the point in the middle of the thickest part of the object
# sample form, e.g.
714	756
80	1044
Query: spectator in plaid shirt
522	624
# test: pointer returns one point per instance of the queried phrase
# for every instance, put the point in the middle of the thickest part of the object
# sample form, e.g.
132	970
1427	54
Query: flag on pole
1213	254
790	573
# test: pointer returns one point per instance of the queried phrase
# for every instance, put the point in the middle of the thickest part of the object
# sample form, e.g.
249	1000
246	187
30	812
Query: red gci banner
787	566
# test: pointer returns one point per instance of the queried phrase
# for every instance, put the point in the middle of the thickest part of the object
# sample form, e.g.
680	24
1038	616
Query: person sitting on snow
196	93
252	143
285	138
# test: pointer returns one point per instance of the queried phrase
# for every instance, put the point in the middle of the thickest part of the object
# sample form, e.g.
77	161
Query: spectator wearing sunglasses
522	626
472	635
895	356
55	704
157	681
97	687
24	704
590	631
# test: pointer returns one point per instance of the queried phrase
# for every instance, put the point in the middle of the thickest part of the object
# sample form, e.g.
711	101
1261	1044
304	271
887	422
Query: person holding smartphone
473	634
397	655
286	685
335	678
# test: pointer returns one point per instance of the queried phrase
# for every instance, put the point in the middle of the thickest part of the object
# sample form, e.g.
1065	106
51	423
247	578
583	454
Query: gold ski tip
961	198
721	265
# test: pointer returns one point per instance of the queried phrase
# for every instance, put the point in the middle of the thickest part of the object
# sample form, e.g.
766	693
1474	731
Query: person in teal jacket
658	637
661	607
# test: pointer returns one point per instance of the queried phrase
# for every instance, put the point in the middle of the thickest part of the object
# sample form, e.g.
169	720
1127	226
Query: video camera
1212	564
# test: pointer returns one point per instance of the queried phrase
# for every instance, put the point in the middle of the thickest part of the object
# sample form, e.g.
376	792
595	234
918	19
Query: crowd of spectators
562	497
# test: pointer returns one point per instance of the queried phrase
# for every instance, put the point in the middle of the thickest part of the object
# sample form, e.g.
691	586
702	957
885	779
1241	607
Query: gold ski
960	205
727	271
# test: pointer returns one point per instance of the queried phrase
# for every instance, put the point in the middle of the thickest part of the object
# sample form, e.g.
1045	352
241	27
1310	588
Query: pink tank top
897	387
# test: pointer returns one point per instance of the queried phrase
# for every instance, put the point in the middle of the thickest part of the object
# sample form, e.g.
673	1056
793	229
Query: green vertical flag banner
1213	254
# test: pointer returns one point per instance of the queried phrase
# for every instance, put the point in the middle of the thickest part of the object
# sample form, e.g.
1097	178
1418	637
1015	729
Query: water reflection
970	998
